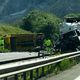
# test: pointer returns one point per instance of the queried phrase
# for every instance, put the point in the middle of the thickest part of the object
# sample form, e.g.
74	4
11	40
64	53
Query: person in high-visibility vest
1	43
48	45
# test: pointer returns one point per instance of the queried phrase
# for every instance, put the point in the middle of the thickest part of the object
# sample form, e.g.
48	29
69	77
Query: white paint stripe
78	78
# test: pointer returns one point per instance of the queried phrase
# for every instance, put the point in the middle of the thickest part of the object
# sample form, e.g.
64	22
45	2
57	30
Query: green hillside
12	10
9	29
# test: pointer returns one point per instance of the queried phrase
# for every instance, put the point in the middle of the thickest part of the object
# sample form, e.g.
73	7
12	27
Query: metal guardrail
23	66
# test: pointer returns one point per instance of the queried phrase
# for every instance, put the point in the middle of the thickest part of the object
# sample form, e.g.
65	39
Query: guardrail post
48	69
77	59
24	76
51	70
16	77
31	75
5	78
37	73
42	71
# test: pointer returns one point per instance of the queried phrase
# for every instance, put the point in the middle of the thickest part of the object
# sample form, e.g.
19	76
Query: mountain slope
15	9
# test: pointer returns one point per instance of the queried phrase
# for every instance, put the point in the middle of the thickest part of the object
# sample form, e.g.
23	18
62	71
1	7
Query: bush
56	70
41	22
65	64
4	50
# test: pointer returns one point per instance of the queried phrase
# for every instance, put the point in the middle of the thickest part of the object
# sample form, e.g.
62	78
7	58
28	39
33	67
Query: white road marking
78	78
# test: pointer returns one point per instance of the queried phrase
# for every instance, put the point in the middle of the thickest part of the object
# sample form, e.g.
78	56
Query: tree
75	15
41	22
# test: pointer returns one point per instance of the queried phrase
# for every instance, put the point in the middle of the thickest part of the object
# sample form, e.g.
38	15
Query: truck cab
69	35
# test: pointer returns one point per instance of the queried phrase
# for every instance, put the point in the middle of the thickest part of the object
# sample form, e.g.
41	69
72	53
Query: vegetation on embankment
9	29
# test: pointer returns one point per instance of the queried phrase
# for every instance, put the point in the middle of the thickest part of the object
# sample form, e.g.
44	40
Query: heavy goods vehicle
23	42
69	39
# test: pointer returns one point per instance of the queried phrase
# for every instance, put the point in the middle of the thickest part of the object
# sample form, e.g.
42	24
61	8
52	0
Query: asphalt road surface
70	74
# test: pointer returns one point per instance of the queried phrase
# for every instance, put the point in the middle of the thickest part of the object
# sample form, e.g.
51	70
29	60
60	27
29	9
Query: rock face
15	9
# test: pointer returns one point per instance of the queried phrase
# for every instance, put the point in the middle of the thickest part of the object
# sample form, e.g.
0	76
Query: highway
17	56
14	68
10	56
70	74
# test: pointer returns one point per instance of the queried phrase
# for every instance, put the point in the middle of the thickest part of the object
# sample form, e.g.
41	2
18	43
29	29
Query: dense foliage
75	15
41	22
